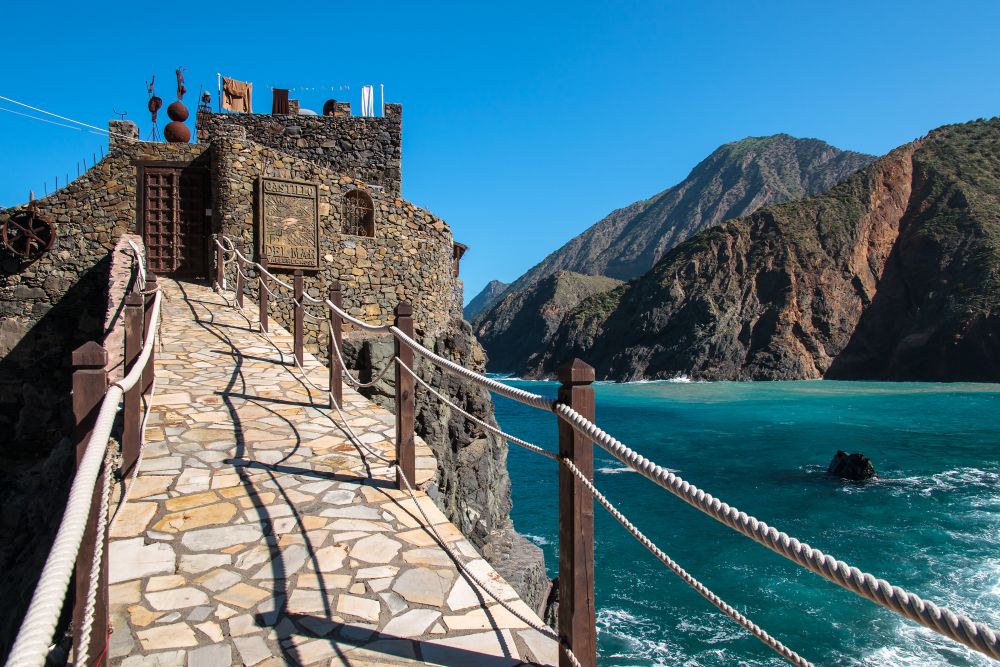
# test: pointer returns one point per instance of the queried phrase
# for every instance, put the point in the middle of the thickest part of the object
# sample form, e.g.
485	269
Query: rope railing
942	620
39	624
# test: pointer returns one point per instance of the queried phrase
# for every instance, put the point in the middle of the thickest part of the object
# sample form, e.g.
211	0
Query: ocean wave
538	539
920	646
945	481
617	470
677	379
957	479
614	470
636	639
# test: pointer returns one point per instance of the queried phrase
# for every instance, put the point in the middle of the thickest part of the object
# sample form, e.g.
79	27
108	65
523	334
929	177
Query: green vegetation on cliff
520	324
736	179
892	274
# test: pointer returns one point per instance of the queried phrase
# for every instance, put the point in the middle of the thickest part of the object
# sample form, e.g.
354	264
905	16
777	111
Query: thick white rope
139	262
351	379
940	619
958	627
700	588
305	376
461	565
355	321
476	420
39	623
545	630
496	387
148	400
93	583
312	318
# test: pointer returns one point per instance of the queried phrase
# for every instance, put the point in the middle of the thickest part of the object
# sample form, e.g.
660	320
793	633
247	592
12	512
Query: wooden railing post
299	310
576	520
220	264
149	371
132	416
240	270
335	343
90	383
405	456
262	287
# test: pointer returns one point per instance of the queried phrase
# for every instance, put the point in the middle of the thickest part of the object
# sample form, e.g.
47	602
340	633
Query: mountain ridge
736	178
486	298
788	167
892	274
524	320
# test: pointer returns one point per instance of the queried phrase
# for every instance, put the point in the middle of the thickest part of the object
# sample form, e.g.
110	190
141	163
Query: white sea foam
918	646
638	640
538	539
945	481
614	470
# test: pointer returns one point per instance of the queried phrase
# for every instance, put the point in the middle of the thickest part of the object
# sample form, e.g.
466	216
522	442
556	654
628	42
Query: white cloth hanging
367	101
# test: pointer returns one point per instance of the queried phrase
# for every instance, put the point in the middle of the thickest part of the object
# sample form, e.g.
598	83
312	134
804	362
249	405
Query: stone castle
321	194
382	248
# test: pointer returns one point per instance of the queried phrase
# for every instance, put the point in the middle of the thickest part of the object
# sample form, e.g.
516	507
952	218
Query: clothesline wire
71	120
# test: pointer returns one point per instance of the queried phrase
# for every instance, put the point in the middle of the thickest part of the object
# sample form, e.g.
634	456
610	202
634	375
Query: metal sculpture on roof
154	105
176	131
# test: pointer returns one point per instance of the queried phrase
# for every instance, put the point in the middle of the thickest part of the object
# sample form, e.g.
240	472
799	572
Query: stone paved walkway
257	534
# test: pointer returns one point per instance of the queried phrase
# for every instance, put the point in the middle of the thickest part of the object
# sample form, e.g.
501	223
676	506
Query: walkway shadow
277	615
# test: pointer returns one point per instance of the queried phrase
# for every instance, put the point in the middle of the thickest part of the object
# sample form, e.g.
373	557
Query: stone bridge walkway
257	534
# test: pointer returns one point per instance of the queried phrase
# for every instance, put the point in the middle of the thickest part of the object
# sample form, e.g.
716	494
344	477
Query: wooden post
299	310
576	520
262	288
335	343
220	264
405	455
90	383
132	417
149	371
240	270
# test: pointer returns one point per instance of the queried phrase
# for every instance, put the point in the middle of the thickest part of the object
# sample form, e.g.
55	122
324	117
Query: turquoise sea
931	524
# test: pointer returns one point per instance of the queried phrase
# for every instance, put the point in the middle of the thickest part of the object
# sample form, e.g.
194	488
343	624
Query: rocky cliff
736	179
516	330
474	485
484	299
892	274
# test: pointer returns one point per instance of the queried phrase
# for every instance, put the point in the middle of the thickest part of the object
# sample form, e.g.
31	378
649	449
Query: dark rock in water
855	467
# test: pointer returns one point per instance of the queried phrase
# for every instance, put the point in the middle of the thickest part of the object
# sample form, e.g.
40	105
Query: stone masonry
368	150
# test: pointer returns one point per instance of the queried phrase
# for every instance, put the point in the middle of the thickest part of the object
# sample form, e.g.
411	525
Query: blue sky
524	123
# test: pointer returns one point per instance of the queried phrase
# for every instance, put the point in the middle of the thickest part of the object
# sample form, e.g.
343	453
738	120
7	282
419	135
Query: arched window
359	214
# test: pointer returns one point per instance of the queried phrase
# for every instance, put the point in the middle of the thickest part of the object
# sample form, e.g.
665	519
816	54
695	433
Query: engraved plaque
289	223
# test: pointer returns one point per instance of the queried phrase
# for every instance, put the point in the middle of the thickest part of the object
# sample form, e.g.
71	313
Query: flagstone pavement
257	534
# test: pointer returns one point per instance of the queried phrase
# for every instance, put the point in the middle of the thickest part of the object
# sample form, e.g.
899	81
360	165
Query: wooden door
175	224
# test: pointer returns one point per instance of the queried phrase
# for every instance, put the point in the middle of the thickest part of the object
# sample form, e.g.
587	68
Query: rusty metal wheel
27	235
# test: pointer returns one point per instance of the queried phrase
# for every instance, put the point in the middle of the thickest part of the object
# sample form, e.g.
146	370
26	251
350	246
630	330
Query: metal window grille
359	214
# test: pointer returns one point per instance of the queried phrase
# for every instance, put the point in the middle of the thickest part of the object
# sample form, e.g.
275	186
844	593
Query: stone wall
47	309
408	259
51	306
368	150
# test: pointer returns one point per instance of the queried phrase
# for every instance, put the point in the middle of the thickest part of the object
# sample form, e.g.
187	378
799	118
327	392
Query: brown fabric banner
237	95
279	103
